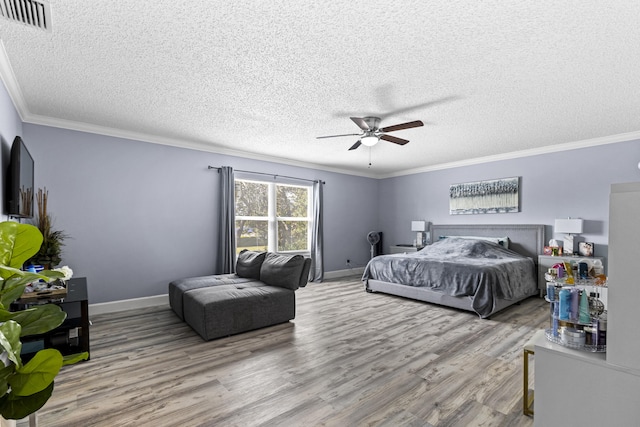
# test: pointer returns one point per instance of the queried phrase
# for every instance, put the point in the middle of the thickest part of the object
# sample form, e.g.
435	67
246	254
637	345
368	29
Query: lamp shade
369	140
568	225
418	225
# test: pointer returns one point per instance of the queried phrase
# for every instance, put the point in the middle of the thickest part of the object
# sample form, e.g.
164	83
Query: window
272	217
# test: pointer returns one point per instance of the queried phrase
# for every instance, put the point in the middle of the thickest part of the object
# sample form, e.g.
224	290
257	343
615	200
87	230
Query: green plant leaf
18	243
37	374
4	387
25	389
13	286
15	275
13	407
9	296
8	233
6	315
51	275
10	341
75	358
40	319
5	373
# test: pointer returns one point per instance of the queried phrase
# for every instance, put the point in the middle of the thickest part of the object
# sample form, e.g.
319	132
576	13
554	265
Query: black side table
73	335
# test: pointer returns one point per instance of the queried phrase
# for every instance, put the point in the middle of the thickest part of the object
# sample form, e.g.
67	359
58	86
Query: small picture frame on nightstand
585	249
552	250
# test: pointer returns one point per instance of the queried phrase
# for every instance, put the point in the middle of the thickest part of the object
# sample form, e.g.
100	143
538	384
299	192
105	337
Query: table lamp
569	226
420	227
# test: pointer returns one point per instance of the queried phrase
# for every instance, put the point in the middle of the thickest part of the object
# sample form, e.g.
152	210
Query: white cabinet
576	388
623	345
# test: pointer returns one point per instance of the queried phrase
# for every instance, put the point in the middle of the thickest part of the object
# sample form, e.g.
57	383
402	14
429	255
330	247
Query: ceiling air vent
29	12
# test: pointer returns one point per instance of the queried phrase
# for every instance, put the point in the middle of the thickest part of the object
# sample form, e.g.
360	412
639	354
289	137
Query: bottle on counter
602	329
564	304
575	304
555	307
583	309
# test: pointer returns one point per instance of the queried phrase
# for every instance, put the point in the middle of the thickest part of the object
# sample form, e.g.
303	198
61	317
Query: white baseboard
158	300
128	304
343	273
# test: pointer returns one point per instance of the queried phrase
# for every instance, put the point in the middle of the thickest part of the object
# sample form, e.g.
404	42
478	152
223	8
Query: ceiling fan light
369	141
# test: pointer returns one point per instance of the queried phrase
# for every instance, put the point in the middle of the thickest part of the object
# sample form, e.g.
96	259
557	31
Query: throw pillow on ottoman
249	263
284	271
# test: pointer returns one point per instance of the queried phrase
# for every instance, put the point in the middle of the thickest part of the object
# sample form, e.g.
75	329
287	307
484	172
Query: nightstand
545	262
403	249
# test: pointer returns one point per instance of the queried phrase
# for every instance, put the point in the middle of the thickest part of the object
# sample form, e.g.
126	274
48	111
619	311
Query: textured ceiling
489	79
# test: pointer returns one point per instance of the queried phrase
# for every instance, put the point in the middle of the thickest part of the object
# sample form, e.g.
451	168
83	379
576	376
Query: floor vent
29	12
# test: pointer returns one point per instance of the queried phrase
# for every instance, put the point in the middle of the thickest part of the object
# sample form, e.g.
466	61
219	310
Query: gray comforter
481	270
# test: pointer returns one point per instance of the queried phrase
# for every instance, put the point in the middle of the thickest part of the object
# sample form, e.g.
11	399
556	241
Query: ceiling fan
372	133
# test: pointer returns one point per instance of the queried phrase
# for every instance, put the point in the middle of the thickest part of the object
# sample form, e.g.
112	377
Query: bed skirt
428	295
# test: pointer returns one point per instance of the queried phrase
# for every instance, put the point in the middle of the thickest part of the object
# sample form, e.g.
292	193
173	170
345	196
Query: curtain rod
273	175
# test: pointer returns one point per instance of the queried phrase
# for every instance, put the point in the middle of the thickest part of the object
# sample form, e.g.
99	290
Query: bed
481	276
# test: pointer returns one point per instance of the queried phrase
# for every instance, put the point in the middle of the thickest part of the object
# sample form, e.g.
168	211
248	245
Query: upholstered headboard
526	239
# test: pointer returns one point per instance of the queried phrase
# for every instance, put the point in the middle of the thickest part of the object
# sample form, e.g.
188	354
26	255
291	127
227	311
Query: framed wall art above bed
482	197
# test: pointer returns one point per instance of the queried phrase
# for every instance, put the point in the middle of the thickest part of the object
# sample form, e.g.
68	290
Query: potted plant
50	252
25	387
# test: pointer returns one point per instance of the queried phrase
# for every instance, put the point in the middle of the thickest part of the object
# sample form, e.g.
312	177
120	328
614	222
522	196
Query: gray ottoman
178	288
224	310
260	294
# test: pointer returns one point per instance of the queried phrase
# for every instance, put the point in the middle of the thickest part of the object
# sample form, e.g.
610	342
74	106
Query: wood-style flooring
350	358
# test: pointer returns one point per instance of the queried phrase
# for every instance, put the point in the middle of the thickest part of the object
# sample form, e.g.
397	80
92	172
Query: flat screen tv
20	181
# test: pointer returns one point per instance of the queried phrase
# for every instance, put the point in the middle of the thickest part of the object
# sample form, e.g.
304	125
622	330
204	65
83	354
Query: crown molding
201	146
11	83
612	139
174	142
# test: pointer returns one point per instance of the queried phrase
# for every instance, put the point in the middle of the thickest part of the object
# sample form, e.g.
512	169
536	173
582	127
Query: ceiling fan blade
408	125
336	136
394	139
356	145
361	123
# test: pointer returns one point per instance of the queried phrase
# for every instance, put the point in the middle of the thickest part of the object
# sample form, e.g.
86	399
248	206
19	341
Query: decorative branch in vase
50	253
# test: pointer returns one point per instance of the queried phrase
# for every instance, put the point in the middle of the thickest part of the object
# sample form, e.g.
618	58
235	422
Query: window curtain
226	230
316	272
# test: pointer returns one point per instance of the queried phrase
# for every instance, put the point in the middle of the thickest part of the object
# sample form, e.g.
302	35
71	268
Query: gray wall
572	183
141	215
